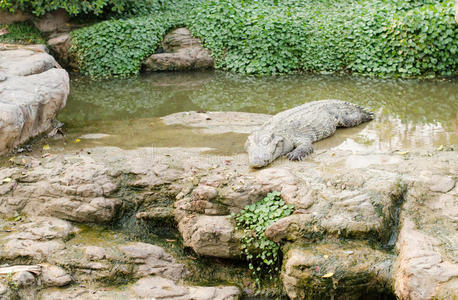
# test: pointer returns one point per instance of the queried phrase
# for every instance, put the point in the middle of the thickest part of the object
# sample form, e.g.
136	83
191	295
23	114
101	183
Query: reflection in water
410	113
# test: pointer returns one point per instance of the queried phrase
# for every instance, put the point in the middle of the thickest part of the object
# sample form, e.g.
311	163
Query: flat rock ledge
33	89
381	229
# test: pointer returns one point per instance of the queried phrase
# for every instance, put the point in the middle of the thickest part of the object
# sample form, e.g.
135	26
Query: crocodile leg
302	150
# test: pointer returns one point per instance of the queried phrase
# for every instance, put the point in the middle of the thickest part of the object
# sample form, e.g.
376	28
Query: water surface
410	113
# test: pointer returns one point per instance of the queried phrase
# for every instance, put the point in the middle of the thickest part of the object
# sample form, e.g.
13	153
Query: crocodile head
263	148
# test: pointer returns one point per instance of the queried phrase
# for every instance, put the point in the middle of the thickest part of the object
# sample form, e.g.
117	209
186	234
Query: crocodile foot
300	153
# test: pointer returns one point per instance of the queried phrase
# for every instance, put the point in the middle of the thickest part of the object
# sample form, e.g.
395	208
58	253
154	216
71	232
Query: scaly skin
293	131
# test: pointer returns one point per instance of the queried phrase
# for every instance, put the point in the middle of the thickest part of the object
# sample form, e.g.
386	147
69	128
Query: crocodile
293	131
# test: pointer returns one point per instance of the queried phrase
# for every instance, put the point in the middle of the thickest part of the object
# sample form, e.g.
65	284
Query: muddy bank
382	227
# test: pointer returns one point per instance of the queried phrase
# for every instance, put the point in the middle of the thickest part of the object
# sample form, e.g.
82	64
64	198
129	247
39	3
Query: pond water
410	113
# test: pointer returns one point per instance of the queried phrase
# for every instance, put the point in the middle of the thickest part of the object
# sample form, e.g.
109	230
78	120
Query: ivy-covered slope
376	37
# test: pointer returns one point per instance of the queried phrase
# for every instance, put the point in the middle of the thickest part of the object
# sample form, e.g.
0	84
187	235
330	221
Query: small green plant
12	285
21	32
261	253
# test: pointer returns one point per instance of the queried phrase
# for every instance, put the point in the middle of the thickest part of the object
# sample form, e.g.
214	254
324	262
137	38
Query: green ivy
116	48
382	38
385	38
85	7
261	253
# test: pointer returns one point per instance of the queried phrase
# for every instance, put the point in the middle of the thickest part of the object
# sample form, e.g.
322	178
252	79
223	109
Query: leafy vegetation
409	38
76	7
261	253
23	33
380	38
117	47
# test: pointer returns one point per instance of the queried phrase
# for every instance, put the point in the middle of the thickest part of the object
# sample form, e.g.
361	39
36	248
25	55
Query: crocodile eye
265	140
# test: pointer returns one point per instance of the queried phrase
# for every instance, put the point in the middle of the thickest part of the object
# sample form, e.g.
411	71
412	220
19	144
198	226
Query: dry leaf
403	152
8	179
327	275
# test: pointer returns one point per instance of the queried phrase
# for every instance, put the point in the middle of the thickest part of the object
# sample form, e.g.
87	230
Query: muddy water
410	113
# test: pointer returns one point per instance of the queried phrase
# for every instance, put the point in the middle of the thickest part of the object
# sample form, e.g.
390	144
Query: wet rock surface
357	229
181	52
32	92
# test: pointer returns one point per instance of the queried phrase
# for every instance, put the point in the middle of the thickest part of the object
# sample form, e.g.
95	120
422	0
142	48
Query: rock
81	192
54	275
8	18
217	122
210	235
152	260
24	62
322	271
442	184
338	209
3	290
156	214
94	136
456	11
420	270
23	279
153	287
360	213
31	47
158	287
56	20
183	52
95	253
32	95
60	46
36	239
216	293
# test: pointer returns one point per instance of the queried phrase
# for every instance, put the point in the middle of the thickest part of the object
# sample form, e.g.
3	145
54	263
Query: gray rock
95	253
53	21
312	271
24	62
421	271
54	275
333	201
210	235
153	287
152	260
32	100
23	278
94	136
158	287
183	52
60	46
18	16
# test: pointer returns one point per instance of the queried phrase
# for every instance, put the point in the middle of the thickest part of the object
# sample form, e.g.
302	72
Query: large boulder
32	92
181	52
